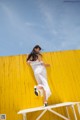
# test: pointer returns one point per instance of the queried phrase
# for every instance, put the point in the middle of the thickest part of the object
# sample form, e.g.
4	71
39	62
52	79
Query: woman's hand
47	65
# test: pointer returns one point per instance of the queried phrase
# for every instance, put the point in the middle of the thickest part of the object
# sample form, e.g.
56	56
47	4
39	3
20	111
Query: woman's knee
40	86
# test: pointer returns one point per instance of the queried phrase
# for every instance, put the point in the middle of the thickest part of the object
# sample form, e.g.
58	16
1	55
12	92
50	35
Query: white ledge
48	107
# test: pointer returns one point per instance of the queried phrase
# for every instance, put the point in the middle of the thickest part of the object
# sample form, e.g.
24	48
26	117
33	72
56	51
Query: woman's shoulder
39	55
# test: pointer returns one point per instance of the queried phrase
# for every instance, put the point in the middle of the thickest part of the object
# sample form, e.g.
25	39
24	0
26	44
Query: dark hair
37	46
34	54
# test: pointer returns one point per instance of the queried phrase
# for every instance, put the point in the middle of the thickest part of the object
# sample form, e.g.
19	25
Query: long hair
34	55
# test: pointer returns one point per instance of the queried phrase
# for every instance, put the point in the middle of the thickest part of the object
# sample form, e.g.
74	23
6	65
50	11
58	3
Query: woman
34	59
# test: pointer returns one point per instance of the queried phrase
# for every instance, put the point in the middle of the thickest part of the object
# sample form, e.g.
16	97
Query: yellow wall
17	82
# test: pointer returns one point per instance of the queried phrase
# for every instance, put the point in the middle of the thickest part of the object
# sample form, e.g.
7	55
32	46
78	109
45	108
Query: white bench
50	107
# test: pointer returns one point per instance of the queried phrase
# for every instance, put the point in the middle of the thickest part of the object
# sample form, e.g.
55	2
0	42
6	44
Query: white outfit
41	76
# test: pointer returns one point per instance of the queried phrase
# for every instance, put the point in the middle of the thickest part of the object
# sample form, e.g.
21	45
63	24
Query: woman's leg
44	93
40	86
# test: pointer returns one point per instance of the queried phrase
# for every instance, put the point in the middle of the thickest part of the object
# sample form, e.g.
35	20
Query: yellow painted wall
17	82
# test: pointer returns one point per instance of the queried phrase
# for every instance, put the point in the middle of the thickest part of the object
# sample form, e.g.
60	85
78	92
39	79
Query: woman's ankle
45	101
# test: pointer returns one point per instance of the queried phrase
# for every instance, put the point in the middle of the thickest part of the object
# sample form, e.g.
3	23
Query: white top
37	65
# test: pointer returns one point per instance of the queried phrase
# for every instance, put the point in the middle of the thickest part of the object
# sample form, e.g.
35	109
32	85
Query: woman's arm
27	61
40	59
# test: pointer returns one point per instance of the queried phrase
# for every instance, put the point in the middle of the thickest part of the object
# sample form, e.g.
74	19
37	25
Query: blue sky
53	24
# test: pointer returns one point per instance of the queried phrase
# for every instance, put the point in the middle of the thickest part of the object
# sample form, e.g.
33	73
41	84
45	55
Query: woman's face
37	49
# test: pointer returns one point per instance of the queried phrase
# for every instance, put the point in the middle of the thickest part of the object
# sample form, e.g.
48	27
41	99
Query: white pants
41	78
